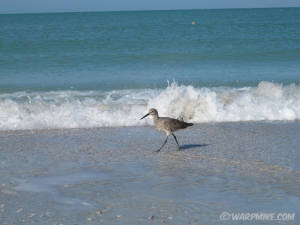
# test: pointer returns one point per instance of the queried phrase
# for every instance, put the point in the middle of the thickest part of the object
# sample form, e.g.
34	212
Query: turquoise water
121	50
132	55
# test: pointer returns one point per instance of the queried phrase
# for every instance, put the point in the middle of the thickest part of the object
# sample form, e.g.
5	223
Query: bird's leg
176	141
162	145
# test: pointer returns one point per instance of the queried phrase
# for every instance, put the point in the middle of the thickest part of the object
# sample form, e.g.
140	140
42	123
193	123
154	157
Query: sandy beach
112	176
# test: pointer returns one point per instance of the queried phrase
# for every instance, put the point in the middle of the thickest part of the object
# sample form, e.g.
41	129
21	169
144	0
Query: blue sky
26	6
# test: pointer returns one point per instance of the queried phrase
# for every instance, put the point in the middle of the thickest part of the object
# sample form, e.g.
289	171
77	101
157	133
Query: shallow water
112	176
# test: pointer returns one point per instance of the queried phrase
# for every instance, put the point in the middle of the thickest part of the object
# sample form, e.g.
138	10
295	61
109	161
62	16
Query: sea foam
76	109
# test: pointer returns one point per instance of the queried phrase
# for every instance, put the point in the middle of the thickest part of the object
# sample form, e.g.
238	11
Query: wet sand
112	176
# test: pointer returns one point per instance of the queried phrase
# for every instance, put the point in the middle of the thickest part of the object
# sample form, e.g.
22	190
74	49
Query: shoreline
147	125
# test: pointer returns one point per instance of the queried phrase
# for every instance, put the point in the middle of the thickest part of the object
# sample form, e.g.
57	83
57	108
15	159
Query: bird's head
152	112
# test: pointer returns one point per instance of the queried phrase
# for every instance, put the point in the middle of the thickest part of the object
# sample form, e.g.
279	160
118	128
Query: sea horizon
146	10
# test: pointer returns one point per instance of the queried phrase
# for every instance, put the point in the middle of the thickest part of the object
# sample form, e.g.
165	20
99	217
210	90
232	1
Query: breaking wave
76	109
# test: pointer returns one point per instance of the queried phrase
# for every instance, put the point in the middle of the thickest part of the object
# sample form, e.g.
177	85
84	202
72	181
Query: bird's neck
155	117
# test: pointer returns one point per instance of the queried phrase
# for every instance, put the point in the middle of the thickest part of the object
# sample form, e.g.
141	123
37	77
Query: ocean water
70	70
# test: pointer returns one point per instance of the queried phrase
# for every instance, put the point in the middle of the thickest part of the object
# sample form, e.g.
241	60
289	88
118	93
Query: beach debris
118	216
99	212
89	219
19	210
85	203
31	215
151	217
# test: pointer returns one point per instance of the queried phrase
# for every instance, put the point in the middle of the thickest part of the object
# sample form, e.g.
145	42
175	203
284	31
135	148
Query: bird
167	125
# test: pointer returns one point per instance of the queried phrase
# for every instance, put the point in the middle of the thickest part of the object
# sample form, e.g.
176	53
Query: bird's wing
174	124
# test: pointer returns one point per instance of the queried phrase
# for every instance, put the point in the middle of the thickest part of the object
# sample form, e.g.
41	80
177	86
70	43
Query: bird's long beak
145	116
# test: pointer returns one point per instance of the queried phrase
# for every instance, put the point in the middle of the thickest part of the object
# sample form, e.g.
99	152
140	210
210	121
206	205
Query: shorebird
167	125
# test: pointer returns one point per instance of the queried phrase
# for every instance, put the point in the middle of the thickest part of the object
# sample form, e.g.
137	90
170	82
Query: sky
35	6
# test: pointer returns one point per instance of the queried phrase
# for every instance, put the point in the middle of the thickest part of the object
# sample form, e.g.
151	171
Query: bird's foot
158	150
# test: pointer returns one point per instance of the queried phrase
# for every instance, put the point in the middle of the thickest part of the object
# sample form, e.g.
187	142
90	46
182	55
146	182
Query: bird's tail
189	124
